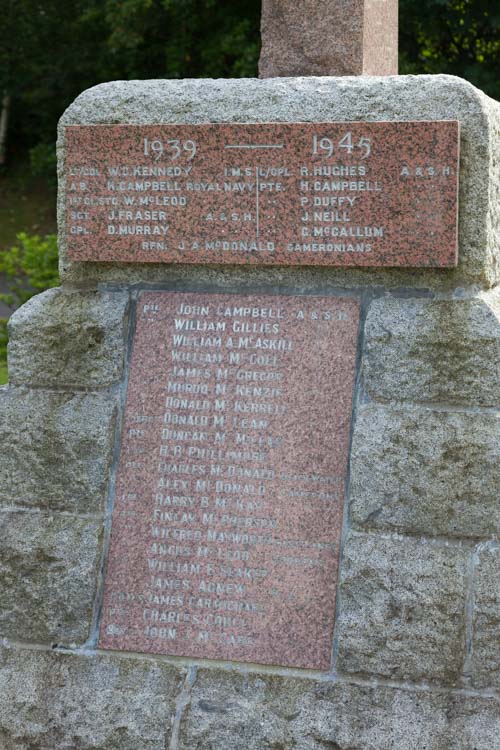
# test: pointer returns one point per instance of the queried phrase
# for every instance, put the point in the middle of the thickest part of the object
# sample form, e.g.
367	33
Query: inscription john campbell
230	487
368	194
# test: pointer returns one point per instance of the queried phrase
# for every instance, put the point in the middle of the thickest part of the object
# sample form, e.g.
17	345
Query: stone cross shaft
329	38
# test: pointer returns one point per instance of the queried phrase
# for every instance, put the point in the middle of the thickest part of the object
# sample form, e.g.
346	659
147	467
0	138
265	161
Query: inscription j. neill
349	194
231	479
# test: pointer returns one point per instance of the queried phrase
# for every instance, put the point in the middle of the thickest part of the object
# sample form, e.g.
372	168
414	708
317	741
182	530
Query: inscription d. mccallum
230	488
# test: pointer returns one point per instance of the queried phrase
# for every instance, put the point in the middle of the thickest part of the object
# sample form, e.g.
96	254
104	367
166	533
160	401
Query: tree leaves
51	50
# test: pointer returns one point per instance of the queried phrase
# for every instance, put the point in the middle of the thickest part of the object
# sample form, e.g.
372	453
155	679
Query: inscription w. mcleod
357	194
230	487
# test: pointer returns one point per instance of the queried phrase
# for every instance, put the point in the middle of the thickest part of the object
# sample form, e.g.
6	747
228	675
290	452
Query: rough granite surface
101	702
402	605
48	575
68	339
434	350
261	712
415	663
56	449
54	701
310	99
427	472
346	37
485	669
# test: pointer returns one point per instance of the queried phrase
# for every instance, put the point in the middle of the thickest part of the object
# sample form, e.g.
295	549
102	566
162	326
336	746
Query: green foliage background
50	51
3	351
30	267
459	37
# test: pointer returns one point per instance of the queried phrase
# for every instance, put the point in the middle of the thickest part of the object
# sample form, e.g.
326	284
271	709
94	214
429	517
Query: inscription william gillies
231	479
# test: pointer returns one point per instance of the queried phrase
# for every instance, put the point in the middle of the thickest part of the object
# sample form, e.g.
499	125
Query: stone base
99	702
415	659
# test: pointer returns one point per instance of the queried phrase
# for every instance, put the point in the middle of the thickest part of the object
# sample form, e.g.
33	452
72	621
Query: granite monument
251	499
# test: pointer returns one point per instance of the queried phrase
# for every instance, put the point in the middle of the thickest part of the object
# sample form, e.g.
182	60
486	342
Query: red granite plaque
342	194
230	487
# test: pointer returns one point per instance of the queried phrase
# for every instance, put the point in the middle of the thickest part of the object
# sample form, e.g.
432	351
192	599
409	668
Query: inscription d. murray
350	194
231	479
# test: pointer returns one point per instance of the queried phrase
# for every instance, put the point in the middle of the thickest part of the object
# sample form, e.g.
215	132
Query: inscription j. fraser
350	194
231	479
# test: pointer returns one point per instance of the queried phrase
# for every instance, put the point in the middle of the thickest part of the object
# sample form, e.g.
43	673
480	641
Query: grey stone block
65	702
402	609
434	350
426	472
56	449
48	576
247	711
310	99
228	711
485	663
68	338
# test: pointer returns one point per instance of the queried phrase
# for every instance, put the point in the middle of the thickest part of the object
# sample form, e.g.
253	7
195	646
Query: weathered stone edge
22	347
314	99
209	701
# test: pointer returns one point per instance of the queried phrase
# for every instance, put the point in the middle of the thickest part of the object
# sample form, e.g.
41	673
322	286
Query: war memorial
250	468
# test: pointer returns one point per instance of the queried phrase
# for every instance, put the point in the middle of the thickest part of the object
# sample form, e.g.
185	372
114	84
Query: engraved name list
231	479
356	194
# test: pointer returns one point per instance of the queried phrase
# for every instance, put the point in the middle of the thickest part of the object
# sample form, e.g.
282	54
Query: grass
3	373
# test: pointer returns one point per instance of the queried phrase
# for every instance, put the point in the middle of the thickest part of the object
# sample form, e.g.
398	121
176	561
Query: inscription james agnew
230	487
369	194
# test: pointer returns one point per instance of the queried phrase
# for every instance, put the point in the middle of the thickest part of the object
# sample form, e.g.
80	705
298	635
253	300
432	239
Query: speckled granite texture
345	37
312	100
353	194
415	650
294	460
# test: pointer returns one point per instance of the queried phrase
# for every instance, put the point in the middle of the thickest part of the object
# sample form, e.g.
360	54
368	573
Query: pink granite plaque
231	479
342	194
